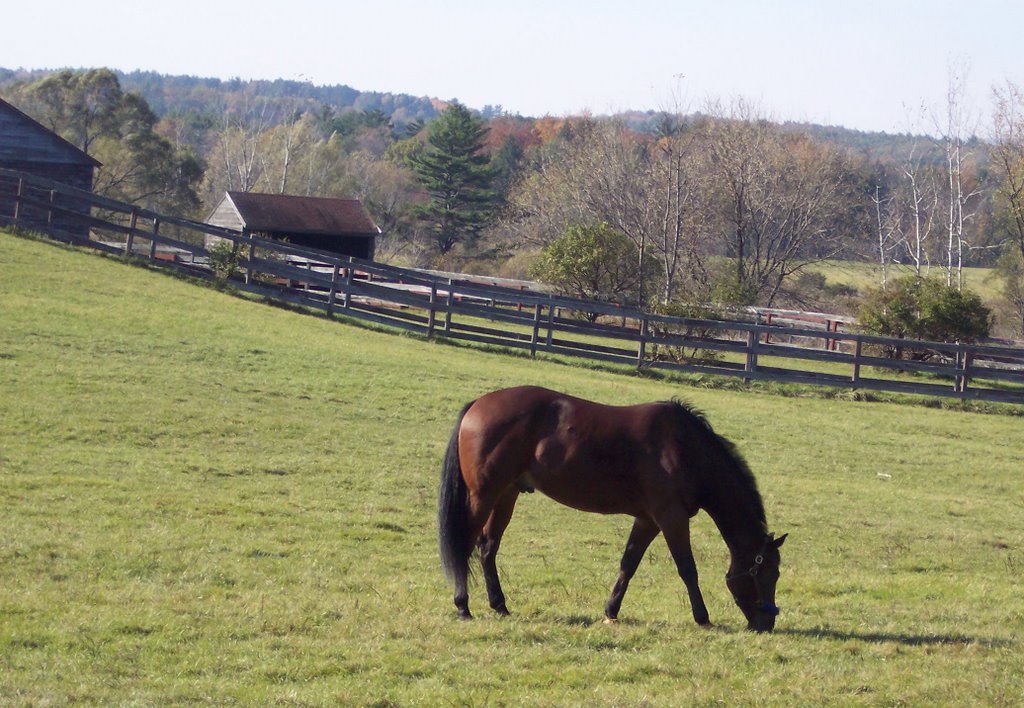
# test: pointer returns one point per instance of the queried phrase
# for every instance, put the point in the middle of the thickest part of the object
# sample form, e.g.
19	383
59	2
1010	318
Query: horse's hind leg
490	541
644	531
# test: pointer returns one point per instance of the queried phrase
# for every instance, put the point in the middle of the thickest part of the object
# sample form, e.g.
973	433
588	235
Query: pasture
208	499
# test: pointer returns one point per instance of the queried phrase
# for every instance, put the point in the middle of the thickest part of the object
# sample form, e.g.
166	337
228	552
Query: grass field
866	276
206	499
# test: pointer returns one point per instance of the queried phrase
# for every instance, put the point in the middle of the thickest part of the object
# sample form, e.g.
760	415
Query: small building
340	226
28	146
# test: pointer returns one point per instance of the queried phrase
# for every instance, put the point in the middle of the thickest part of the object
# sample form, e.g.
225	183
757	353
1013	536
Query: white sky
864	64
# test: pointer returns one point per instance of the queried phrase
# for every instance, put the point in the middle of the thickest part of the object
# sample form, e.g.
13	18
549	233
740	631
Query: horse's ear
779	541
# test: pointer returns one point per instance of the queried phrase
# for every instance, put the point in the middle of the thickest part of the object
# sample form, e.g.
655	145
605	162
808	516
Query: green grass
867	276
206	499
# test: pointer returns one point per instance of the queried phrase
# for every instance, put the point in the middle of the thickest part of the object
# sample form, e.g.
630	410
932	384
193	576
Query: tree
917	204
592	262
1010	269
455	173
650	190
925	309
885	231
1008	160
80	106
234	160
783	199
962	190
118	129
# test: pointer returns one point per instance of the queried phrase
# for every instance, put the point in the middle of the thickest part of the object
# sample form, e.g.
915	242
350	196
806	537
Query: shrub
685	355
224	258
925	309
595	262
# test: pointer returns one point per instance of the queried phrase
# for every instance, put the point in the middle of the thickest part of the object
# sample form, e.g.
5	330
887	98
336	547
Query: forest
680	209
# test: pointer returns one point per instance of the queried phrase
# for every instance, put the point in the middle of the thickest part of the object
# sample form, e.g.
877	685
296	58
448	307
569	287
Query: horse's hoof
611	620
465	616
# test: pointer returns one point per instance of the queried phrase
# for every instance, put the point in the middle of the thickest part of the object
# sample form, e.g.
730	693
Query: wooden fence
531	321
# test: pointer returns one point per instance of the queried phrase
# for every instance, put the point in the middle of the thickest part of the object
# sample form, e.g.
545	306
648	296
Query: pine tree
456	174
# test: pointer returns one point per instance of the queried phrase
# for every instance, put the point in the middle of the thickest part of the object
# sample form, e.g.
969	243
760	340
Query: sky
872	65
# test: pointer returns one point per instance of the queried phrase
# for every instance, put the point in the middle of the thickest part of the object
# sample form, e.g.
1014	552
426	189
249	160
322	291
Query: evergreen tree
456	174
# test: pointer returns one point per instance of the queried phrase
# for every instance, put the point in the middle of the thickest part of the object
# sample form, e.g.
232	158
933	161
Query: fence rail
514	318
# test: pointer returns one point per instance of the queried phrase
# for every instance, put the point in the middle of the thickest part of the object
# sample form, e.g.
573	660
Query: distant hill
170	95
182	95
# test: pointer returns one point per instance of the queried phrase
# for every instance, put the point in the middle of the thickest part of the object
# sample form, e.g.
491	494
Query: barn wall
226	216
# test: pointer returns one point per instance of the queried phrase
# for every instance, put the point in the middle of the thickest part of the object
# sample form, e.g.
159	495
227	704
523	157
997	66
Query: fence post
968	361
334	289
431	311
348	284
535	336
249	257
152	241
18	196
963	361
551	322
856	360
642	349
449	304
49	211
130	241
751	364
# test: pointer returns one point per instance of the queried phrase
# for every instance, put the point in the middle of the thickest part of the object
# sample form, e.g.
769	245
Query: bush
685	355
595	263
925	309
225	256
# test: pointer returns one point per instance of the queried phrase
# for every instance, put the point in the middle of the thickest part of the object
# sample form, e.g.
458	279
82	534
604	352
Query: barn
28	146
340	226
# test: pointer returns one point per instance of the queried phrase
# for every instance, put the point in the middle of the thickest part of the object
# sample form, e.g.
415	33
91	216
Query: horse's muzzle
764	620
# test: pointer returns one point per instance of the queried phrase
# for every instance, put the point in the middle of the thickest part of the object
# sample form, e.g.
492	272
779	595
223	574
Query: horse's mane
724	452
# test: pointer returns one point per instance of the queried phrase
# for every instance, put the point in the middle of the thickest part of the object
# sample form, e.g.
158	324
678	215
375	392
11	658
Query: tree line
721	205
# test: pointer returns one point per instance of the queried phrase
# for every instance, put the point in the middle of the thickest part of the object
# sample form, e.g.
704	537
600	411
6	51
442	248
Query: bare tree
236	163
1007	153
886	232
962	191
916	210
645	188
781	199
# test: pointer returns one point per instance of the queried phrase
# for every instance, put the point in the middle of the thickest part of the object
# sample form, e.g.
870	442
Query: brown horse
657	462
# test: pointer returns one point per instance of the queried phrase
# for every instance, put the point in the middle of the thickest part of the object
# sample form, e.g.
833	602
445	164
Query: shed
340	226
28	146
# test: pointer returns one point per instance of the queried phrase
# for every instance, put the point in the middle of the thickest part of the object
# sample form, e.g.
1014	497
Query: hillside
211	500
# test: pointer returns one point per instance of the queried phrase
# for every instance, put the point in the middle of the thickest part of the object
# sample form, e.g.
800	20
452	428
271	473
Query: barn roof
306	215
24	139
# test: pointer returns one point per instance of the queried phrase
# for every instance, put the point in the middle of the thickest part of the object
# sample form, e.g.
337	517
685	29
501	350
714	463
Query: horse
658	462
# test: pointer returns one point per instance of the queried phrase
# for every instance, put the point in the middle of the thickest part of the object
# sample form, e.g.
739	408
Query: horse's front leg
490	541
640	537
677	534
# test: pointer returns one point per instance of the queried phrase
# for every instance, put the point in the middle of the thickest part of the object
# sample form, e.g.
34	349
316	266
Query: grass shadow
914	640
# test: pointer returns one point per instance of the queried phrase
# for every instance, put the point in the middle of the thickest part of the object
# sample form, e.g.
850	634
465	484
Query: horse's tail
453	512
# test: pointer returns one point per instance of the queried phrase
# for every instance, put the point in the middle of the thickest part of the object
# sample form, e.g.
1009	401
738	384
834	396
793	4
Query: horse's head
751	580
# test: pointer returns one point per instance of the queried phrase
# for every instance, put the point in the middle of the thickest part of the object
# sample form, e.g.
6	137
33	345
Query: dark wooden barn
28	146
339	226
